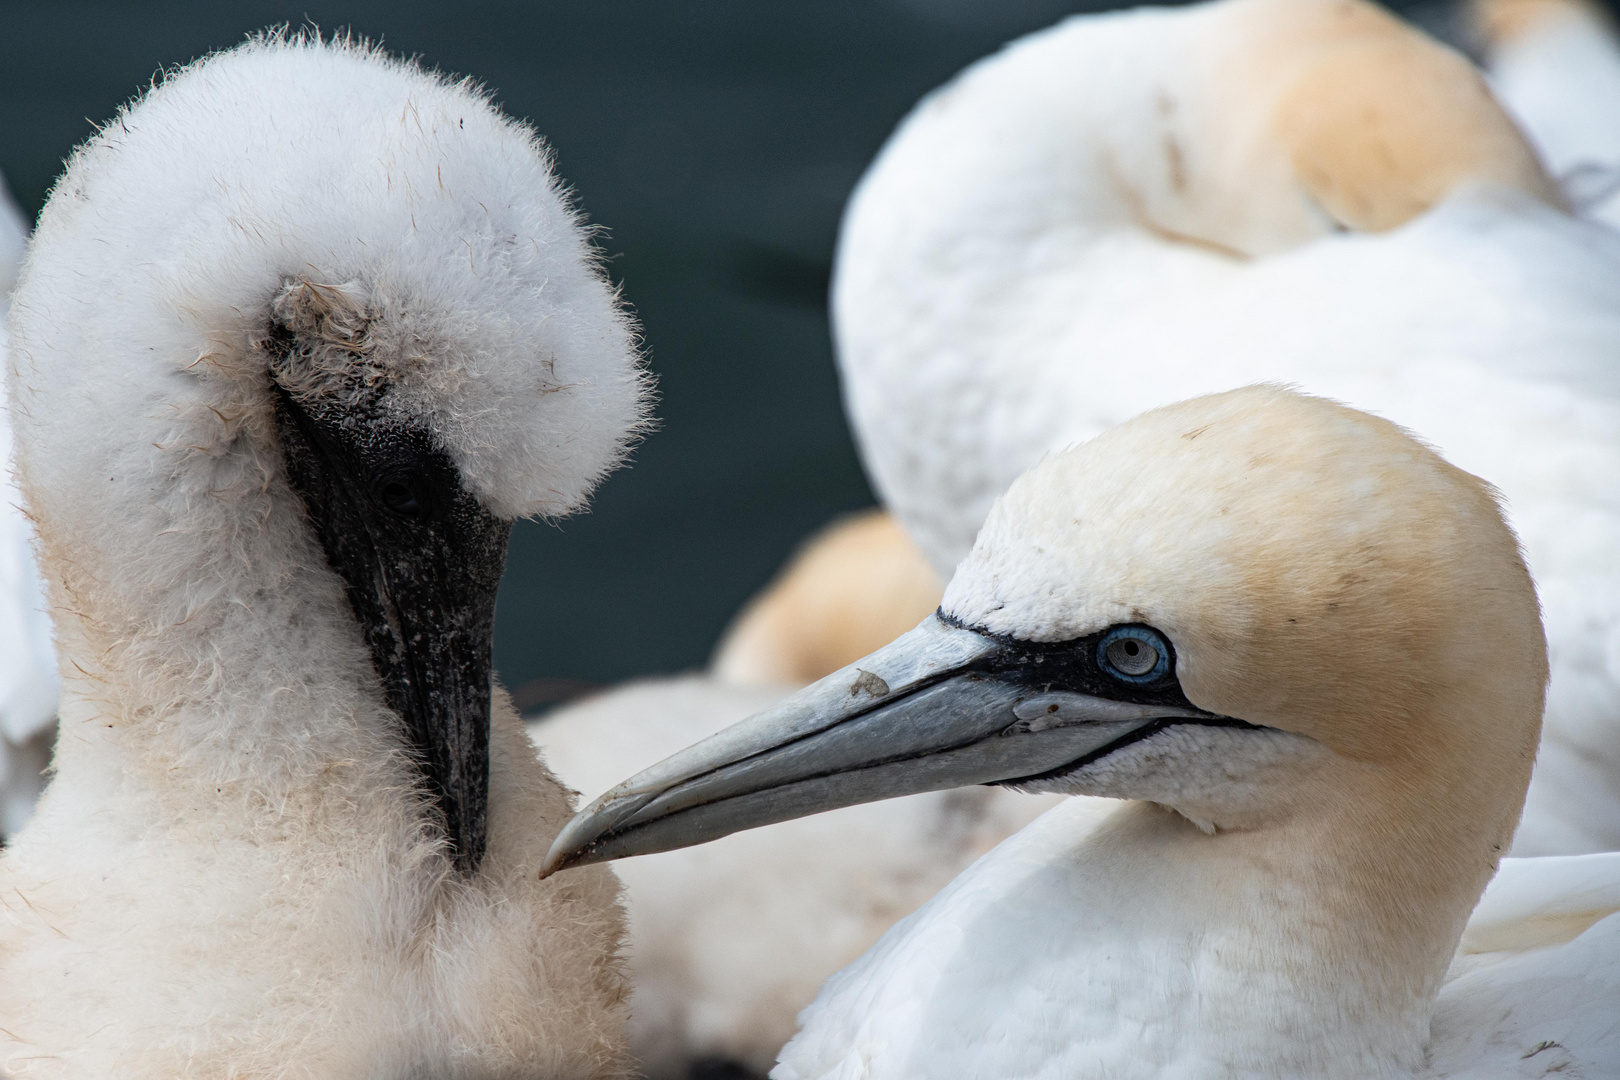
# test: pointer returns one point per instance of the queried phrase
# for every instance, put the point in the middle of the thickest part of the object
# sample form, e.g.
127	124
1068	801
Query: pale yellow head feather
1318	570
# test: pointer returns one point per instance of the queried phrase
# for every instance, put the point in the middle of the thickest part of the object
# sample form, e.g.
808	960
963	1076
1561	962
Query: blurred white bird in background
1555	65
1127	209
28	678
855	585
1306	651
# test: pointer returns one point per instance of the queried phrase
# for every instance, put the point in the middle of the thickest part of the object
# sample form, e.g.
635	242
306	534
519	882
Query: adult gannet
1555	65
728	942
1307	650
301	332
1133	208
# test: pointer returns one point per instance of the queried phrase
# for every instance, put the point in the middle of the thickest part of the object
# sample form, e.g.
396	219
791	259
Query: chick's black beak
420	559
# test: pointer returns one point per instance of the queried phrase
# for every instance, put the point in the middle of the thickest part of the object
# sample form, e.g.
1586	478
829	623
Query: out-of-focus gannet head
1315	115
853	587
1250	127
1256	608
305	307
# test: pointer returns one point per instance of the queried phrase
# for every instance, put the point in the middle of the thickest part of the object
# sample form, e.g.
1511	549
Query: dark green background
717	141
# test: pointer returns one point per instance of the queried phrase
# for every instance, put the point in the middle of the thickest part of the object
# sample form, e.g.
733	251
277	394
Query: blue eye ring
1134	654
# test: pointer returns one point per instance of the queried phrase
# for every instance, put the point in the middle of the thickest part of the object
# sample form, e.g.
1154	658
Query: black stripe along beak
421	560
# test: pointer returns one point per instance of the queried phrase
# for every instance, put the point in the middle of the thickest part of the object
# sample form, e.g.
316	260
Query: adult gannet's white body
299	334
1128	209
1306	649
27	657
1555	65
728	942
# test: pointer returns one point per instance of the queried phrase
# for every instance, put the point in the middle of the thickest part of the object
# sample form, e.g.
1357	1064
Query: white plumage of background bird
1127	209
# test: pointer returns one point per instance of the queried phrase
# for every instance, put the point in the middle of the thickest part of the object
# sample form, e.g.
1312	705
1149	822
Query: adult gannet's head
303	330
1231	606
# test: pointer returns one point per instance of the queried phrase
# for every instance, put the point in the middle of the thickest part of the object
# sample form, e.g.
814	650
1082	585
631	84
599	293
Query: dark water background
717	140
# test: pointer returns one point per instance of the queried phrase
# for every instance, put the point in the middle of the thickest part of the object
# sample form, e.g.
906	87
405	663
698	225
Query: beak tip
577	843
558	858
574	846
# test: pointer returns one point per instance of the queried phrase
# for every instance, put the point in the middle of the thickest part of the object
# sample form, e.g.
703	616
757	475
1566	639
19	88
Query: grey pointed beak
940	707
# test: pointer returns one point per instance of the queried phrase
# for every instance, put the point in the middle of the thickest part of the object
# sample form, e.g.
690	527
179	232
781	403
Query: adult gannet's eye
1136	654
404	495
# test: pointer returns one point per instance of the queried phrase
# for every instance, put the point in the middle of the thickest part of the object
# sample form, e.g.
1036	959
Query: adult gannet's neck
1236	952
1311	947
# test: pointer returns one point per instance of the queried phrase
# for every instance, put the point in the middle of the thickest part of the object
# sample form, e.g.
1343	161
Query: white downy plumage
296	287
1131	208
1306	651
1555	65
27	656
729	941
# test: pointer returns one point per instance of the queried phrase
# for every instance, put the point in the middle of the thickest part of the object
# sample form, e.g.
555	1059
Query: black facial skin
1041	667
1070	665
420	559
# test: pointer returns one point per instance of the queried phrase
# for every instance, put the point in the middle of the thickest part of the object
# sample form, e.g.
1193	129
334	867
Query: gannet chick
1130	209
1555	65
300	334
729	941
1306	650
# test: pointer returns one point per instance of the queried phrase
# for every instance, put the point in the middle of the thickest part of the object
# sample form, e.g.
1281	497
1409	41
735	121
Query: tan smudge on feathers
345	346
1381	123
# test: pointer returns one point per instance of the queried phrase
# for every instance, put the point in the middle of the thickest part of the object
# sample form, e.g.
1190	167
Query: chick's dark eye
403	495
1135	654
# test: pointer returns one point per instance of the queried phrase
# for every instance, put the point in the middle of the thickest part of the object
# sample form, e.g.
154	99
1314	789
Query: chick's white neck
232	656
